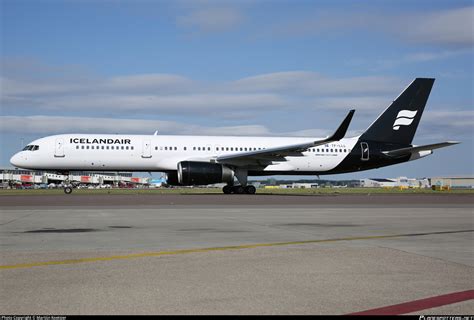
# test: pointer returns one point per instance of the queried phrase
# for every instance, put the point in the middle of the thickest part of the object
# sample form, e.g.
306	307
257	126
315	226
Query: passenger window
166	148
184	148
87	147
194	148
77	147
317	150
175	148
156	148
102	147
131	147
199	148
122	147
107	147
240	148
126	147
344	150
82	147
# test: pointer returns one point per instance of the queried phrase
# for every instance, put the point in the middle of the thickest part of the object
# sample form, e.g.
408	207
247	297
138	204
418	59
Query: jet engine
203	173
172	178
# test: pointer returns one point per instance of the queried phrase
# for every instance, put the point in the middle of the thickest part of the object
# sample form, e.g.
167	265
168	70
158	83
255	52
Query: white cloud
149	82
211	19
47	125
447	27
193	103
361	104
156	93
457	119
416	57
313	83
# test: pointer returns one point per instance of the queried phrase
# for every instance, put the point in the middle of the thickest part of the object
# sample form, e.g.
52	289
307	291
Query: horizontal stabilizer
410	150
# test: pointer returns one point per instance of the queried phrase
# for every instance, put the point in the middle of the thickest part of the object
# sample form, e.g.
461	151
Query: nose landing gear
70	186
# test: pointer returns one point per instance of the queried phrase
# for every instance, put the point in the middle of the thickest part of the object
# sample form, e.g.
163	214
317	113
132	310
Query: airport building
453	182
404	182
400	182
17	178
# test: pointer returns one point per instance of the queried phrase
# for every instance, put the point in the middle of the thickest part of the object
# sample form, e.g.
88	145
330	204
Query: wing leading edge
266	156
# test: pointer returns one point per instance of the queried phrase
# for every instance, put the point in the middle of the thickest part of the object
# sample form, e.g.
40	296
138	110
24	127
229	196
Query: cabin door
59	148
364	146
146	149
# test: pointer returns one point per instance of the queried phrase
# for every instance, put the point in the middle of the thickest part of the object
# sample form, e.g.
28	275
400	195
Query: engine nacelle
172	178
192	173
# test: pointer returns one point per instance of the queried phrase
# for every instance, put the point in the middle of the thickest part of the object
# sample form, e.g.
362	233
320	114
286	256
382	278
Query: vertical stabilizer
398	123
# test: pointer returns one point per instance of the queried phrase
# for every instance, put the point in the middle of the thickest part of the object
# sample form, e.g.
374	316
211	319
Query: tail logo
404	118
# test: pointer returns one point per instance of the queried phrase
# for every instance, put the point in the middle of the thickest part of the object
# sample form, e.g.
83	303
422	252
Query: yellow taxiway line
227	248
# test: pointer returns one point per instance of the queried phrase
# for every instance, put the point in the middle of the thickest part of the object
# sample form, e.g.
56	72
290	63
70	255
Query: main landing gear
241	174
239	189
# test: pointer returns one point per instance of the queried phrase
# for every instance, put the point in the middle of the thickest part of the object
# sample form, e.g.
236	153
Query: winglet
341	131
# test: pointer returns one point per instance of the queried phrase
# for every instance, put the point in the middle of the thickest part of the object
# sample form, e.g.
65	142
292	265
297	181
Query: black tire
68	190
239	190
227	189
250	189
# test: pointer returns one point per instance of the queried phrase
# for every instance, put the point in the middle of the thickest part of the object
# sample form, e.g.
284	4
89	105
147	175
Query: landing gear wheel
250	189
68	190
239	190
227	189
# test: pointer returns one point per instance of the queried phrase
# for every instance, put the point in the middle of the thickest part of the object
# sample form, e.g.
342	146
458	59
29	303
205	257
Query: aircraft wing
410	150
267	156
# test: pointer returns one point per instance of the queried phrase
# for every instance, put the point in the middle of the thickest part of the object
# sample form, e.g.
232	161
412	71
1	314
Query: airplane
203	160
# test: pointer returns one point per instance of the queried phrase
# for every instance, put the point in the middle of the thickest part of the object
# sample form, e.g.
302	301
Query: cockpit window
31	148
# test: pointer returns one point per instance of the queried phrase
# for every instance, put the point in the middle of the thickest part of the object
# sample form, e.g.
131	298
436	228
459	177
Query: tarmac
237	254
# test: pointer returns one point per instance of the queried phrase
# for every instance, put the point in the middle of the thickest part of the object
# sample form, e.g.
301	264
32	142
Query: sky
269	68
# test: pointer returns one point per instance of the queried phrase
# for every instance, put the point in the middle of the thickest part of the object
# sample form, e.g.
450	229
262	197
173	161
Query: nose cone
17	160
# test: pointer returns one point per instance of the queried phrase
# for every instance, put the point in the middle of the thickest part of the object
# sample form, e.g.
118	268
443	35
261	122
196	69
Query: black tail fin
398	123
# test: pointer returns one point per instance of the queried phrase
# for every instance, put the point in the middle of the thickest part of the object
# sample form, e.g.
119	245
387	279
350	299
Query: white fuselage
164	152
